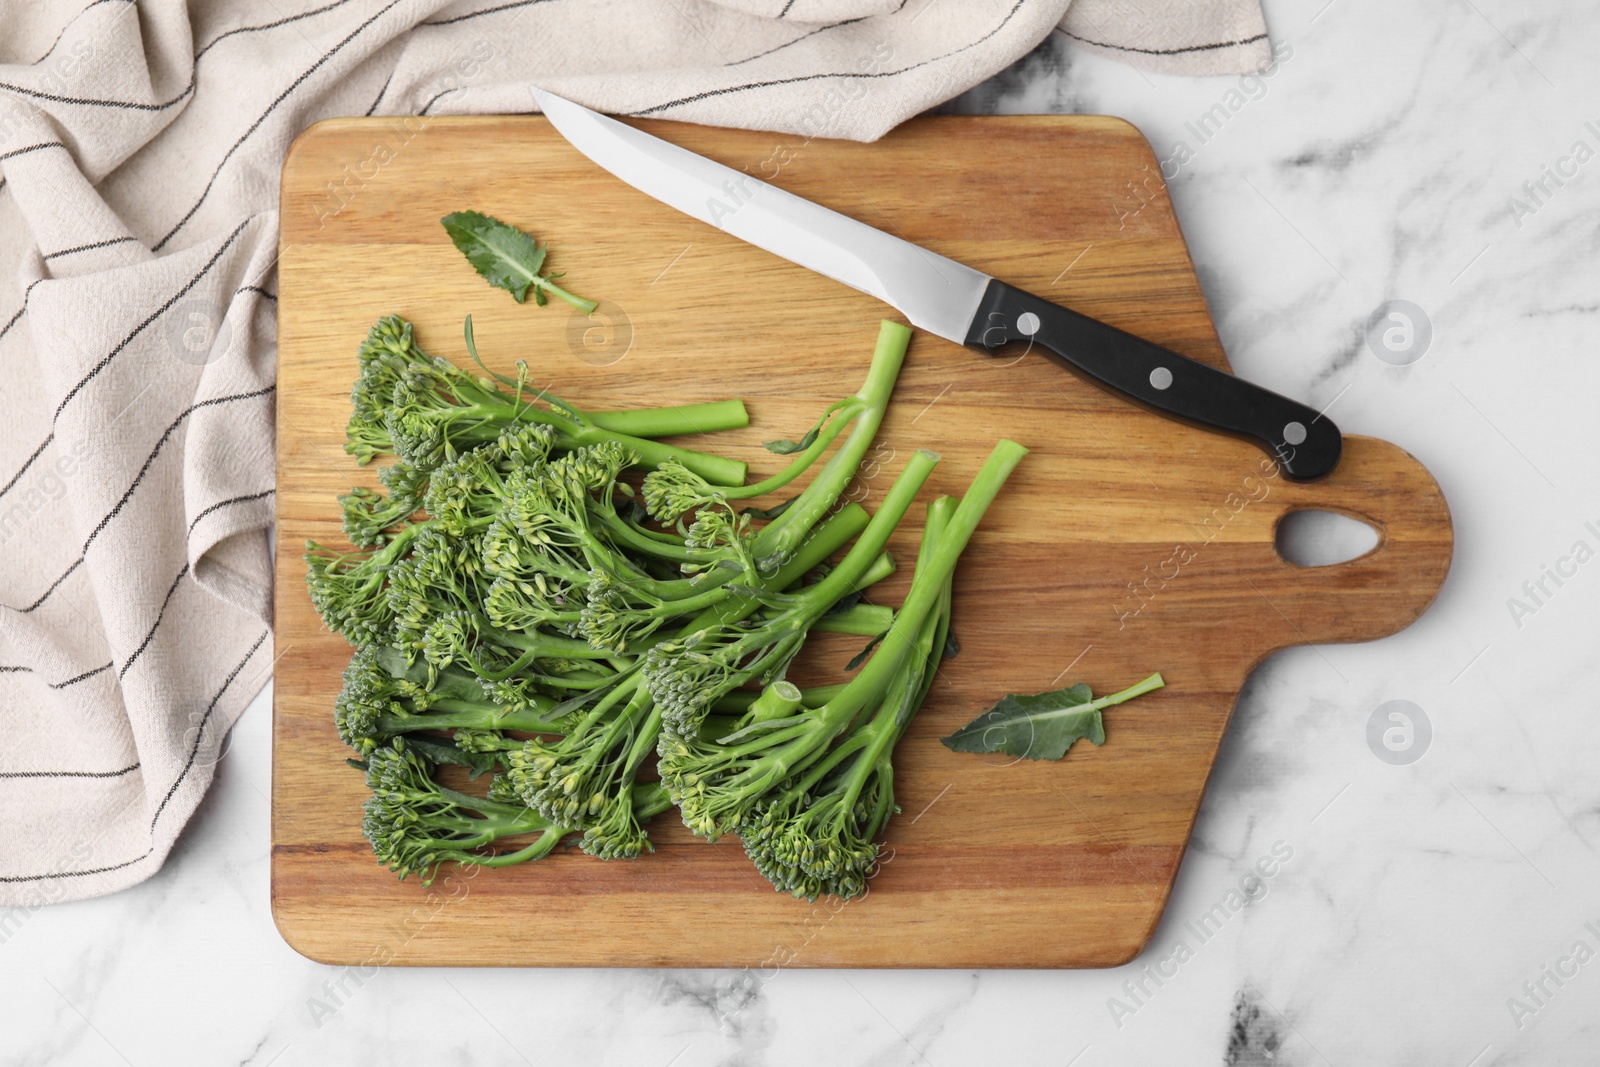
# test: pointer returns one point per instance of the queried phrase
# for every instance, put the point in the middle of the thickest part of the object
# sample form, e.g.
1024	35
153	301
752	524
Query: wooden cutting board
1124	544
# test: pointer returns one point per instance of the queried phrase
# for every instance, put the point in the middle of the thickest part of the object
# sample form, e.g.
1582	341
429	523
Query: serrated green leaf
1043	725
506	257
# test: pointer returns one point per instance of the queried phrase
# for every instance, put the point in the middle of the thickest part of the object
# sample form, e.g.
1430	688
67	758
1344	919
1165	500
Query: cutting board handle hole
1309	538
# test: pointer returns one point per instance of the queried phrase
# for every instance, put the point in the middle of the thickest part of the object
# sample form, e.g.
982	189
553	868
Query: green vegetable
1044	725
415	824
730	783
522	612
424	410
674	489
384	697
818	834
507	258
585	777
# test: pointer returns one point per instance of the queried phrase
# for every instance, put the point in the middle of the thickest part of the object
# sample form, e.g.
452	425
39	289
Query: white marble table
1443	911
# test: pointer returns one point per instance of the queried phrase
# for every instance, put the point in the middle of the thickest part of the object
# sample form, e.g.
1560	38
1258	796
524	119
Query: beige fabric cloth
140	146
1174	36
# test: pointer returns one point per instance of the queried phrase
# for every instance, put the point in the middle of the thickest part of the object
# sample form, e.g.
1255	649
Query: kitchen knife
945	297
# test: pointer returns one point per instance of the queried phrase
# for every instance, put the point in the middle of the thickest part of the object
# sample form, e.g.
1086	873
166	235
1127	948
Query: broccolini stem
625	690
739	700
490	412
905	694
632	537
831	534
466	715
777	701
837	418
670	422
546	842
848	575
585	306
545	645
650	799
837	473
862	620
644	739
926	585
718	470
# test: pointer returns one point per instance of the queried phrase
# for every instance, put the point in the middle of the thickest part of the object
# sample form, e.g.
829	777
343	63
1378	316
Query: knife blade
948	298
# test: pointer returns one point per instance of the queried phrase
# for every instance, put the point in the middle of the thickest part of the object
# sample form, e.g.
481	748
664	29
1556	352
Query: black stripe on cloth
69	774
133	105
28	463
82	677
160	613
200	730
58	685
219	505
12	878
166	436
266	26
90	247
40	147
785	12
847	74
70	22
379	99
485	11
423	110
281	97
53	587
1165	51
9	878
89	101
152	317
143	470
796	40
12	321
255	289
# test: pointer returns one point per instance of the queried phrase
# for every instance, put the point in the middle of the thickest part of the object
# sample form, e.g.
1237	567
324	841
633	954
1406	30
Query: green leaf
1044	725
444	752
472	350
768	513
506	257
785	447
861	657
844	603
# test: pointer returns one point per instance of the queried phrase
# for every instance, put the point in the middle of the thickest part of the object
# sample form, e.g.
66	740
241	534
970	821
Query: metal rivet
1294	433
1161	378
1028	323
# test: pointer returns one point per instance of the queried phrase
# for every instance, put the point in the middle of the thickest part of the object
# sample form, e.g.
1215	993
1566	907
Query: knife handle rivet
1161	378
1294	434
1028	324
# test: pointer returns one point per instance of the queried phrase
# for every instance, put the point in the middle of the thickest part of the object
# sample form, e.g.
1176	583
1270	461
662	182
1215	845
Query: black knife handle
1305	443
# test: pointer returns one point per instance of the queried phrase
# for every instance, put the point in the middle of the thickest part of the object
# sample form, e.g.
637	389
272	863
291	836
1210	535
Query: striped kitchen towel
140	144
